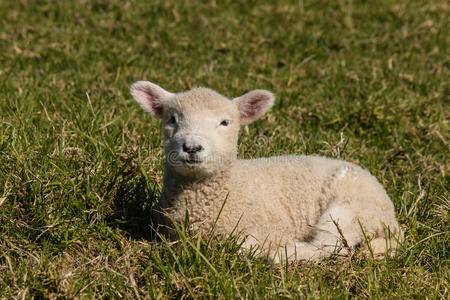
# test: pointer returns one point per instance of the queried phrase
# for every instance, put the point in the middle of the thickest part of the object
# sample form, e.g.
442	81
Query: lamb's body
306	204
286	201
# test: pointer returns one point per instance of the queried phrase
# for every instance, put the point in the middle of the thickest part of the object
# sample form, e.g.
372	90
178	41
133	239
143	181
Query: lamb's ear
253	105
150	96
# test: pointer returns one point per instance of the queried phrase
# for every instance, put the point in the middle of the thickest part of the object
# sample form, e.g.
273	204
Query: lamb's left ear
150	96
253	105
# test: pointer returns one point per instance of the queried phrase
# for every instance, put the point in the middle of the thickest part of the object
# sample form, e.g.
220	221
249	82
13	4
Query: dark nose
192	149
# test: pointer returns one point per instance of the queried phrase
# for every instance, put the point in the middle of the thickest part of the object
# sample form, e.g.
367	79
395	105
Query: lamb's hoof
382	248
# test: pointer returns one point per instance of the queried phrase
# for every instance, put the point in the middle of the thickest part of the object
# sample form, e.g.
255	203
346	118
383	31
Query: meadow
81	163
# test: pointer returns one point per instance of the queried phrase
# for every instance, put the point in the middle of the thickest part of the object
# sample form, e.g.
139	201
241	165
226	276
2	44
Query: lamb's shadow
132	208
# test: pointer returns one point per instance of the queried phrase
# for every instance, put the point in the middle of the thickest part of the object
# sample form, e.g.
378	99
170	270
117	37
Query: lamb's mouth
192	162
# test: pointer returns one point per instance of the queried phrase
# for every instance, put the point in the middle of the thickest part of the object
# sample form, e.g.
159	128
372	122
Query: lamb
293	208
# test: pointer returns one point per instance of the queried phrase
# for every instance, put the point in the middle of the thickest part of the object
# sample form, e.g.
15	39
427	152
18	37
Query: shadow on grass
132	208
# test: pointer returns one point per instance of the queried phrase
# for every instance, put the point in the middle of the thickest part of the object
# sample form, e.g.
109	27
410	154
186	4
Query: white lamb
292	207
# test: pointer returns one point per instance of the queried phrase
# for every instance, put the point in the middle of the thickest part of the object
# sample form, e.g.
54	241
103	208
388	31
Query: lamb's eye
172	120
225	122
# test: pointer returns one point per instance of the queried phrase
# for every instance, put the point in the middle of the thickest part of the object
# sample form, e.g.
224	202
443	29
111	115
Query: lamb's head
200	126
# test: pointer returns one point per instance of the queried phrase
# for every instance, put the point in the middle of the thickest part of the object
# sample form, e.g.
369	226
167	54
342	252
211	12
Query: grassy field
81	163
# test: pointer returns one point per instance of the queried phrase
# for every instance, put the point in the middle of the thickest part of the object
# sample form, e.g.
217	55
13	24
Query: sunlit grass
81	163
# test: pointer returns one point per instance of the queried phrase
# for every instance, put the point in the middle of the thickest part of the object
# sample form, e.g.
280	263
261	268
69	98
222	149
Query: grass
81	163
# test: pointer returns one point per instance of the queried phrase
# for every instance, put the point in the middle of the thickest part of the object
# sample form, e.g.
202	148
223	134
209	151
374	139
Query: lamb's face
200	131
200	126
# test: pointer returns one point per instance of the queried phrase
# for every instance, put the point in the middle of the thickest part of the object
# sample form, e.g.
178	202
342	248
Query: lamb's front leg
324	244
303	251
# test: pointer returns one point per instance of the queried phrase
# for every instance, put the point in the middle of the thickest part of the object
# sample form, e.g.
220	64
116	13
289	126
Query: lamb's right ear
150	96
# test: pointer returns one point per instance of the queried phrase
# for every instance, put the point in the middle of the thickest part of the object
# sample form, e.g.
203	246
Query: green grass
81	163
